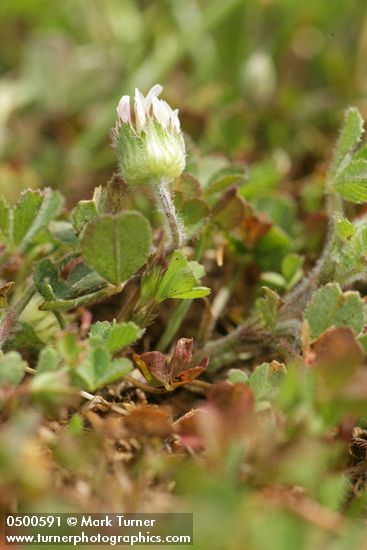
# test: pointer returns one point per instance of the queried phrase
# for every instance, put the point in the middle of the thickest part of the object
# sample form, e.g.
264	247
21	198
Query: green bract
153	155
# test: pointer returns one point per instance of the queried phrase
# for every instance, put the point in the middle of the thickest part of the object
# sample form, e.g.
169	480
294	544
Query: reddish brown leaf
159	371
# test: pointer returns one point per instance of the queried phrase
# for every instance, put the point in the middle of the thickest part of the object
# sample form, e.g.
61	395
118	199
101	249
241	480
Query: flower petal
175	121
160	111
123	109
153	92
139	107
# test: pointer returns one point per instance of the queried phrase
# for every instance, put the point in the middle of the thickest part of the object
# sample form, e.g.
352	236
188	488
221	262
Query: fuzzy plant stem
10	320
173	225
246	335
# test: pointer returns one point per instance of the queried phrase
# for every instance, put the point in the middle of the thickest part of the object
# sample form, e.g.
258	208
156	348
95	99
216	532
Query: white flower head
148	138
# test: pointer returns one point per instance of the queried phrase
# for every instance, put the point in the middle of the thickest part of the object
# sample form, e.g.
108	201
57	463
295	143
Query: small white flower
148	140
123	109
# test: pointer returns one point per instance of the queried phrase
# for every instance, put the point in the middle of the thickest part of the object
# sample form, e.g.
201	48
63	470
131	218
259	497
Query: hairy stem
245	335
10	320
173	225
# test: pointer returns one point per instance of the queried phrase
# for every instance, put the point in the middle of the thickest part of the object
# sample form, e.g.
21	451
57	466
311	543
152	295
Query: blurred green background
252	78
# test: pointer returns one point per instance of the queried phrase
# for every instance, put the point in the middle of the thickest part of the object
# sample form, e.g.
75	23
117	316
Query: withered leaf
159	371
4	289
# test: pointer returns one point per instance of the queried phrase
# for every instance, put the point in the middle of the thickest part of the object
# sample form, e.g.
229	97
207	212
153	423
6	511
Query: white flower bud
149	142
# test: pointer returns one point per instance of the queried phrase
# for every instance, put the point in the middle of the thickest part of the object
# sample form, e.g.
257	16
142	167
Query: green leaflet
114	336
330	307
117	246
12	368
33	212
350	136
181	280
99	370
351	183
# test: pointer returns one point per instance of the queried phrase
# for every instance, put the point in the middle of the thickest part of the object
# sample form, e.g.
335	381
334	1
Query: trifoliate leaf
117	246
330	307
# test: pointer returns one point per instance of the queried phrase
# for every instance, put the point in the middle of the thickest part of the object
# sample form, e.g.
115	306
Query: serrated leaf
350	135
33	212
117	246
114	336
12	368
351	184
330	307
